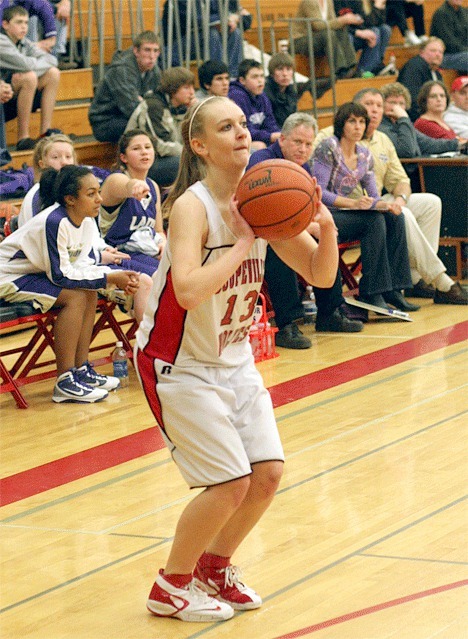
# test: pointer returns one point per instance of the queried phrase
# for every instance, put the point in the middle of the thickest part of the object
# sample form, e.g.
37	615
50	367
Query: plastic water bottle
391	68
120	364
310	307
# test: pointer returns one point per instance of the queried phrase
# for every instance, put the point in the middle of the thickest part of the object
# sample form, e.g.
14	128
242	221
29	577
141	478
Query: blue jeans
35	29
372	57
234	50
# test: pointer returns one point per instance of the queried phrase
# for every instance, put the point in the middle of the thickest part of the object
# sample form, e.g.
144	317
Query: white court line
378	420
188	497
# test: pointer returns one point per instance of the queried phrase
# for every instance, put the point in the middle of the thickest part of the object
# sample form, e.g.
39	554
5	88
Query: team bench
31	362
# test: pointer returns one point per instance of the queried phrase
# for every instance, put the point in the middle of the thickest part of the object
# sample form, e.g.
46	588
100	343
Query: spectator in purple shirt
248	93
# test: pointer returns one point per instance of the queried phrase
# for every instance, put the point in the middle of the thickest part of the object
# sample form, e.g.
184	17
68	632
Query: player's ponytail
54	185
46	187
191	166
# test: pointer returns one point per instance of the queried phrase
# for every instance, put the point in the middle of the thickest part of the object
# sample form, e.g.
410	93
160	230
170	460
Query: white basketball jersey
215	333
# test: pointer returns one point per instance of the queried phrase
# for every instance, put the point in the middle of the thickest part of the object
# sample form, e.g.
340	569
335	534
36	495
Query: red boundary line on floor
93	460
332	376
368	611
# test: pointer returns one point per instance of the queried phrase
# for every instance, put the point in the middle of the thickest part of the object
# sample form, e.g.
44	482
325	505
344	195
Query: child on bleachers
281	91
248	93
213	77
160	114
29	69
50	262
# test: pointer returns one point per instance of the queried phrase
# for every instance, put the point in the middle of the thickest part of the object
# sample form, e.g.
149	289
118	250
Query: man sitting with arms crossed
408	141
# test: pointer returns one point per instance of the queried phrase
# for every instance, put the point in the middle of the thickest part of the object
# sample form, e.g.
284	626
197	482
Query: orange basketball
277	198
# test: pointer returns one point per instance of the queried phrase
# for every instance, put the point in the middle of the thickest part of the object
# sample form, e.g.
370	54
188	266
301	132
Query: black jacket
451	26
283	103
413	75
117	94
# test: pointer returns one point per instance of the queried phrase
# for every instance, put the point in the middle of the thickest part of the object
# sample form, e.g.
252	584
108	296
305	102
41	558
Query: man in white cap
456	115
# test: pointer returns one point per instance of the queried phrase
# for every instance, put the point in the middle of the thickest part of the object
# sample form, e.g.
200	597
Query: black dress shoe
291	337
337	322
25	144
322	85
396	299
348	73
355	312
375	300
421	289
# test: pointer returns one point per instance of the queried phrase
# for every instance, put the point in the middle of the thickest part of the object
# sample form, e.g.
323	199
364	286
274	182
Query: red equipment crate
262	335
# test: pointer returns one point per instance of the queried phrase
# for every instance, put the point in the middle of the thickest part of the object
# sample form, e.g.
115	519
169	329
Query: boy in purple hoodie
248	93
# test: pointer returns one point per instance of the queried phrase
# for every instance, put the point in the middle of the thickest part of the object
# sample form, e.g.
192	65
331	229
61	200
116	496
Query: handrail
96	14
310	46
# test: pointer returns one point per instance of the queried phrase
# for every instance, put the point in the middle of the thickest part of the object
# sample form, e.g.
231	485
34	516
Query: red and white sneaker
189	603
225	585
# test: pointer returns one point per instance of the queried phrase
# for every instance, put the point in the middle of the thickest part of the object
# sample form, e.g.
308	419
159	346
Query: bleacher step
91	152
75	84
68	118
345	91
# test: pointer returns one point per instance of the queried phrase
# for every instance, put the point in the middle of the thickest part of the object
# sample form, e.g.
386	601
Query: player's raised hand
239	226
138	189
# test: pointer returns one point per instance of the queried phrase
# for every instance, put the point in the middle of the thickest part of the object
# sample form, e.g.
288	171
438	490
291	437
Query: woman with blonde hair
53	151
197	369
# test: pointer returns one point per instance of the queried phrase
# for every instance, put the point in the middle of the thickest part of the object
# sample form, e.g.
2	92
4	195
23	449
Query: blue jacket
233	7
258	111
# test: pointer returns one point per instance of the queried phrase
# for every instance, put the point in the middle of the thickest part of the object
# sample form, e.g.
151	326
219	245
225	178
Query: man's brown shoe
456	295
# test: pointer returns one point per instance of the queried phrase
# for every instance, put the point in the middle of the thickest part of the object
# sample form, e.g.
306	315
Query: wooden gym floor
366	538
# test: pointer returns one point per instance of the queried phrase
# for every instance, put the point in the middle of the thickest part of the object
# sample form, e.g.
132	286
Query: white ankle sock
443	283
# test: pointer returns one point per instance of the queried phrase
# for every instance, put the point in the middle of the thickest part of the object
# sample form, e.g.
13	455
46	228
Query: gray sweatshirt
24	56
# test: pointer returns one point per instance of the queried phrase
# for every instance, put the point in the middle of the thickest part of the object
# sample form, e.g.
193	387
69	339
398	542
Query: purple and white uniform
130	227
47	254
31	204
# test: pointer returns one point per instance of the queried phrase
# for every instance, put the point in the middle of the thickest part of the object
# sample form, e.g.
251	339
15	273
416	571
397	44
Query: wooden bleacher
76	87
71	116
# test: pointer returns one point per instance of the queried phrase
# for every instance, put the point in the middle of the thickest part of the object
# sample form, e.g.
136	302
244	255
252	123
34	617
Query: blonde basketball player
197	370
